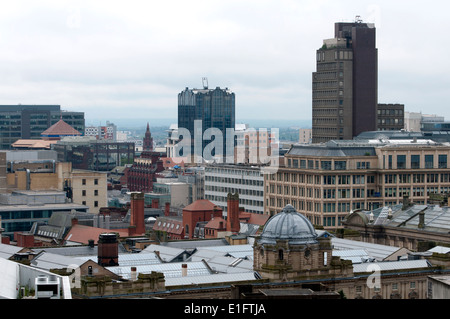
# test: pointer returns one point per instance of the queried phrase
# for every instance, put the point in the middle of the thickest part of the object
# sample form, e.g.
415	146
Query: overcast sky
130	59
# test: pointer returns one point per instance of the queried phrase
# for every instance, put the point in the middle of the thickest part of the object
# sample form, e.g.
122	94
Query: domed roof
289	225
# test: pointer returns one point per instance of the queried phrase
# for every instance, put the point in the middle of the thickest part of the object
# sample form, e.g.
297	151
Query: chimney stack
167	209
184	270
108	250
233	224
155	203
421	220
133	274
137	213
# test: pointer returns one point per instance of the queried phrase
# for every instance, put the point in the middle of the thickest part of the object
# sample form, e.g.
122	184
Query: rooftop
202	205
288	225
60	128
436	218
82	234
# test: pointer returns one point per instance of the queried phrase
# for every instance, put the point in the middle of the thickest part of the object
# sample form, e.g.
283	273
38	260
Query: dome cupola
291	226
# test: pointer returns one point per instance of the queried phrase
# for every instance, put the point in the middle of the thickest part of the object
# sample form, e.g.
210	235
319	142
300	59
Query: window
83	181
442	161
340	165
83	192
363	165
96	181
329	180
96	204
325	165
415	161
96	192
280	254
429	161
401	161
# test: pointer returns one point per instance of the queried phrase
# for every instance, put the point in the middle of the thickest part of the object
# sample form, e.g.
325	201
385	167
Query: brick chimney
74	221
155	203
167	209
137	213
108	250
233	224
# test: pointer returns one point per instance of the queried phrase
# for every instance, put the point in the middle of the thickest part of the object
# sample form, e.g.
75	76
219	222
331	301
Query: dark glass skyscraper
212	108
345	84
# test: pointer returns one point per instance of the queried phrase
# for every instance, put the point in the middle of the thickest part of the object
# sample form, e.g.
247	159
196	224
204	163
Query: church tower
148	140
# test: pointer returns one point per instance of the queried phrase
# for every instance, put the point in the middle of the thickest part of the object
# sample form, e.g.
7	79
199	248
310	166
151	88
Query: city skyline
123	62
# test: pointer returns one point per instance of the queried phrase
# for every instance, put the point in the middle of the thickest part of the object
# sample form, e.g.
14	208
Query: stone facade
105	287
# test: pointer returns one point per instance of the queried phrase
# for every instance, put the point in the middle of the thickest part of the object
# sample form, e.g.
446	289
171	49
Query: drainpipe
28	180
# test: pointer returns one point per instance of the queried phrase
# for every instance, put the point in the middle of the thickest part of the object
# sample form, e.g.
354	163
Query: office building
344	101
213	108
86	152
325	182
245	180
102	132
84	187
416	122
29	121
305	136
20	209
391	117
254	146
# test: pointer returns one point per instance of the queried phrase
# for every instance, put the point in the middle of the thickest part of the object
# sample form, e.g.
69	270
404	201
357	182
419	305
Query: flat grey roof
68	207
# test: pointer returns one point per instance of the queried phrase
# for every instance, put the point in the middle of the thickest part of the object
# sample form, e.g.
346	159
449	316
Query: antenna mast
205	82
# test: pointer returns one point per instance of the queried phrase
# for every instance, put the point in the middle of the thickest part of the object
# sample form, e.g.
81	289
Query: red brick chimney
108	249
233	224
74	221
25	240
167	209
155	203
137	213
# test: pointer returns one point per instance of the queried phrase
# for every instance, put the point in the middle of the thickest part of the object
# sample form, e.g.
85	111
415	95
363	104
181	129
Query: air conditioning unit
47	287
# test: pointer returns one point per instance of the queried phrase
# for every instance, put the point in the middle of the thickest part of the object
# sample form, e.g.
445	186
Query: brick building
143	173
199	211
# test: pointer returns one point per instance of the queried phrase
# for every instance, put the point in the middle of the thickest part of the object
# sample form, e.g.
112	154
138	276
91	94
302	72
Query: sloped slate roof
47	261
331	151
391	265
7	251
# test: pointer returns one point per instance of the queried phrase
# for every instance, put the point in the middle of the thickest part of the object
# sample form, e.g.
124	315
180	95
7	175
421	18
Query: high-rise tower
212	108
345	84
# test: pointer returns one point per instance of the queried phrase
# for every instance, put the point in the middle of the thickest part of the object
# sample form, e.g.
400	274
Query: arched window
280	254
187	230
